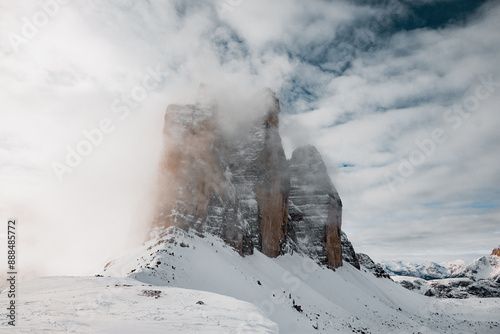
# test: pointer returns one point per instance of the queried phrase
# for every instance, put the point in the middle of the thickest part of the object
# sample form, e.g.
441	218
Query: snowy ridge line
295	292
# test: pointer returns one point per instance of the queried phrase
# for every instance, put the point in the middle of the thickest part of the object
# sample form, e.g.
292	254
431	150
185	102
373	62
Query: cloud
403	91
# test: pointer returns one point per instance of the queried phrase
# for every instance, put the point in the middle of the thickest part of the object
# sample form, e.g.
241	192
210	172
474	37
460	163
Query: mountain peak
496	251
241	187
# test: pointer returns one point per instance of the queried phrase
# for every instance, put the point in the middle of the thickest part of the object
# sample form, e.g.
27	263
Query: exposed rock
496	251
413	285
261	178
151	293
348	253
463	288
315	208
367	263
190	172
235	188
239	185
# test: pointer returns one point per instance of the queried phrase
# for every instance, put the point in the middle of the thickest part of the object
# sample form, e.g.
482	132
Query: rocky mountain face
348	253
480	278
240	186
367	264
315	208
496	251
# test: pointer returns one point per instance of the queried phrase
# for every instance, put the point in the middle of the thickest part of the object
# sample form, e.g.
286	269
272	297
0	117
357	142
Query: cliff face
315	208
190	173
233	187
256	164
348	253
242	188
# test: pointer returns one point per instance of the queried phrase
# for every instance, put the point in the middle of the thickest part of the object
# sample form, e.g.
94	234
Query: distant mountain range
427	270
480	278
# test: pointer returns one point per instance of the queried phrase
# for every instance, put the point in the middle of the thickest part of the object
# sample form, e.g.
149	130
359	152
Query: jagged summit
242	188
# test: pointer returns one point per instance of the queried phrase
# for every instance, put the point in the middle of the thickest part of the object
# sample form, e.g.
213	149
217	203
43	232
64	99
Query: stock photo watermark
454	117
31	26
122	107
11	271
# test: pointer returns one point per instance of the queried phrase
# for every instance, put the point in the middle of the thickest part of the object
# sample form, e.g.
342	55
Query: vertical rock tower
241	187
315	208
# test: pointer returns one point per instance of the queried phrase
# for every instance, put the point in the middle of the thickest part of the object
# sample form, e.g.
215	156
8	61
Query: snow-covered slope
296	293
253	294
482	268
121	305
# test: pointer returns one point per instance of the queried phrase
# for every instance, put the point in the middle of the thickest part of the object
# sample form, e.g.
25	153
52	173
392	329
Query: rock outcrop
190	173
241	187
463	289
496	251
235	188
367	264
315	208
348	253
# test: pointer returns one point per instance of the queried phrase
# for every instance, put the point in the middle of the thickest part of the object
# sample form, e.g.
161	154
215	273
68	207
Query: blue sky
400	97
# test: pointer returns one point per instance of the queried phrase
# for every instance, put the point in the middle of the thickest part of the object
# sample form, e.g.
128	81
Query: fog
80	203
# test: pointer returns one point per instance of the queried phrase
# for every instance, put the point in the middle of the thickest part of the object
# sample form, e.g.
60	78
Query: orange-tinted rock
235	187
272	190
189	168
238	185
333	242
496	252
